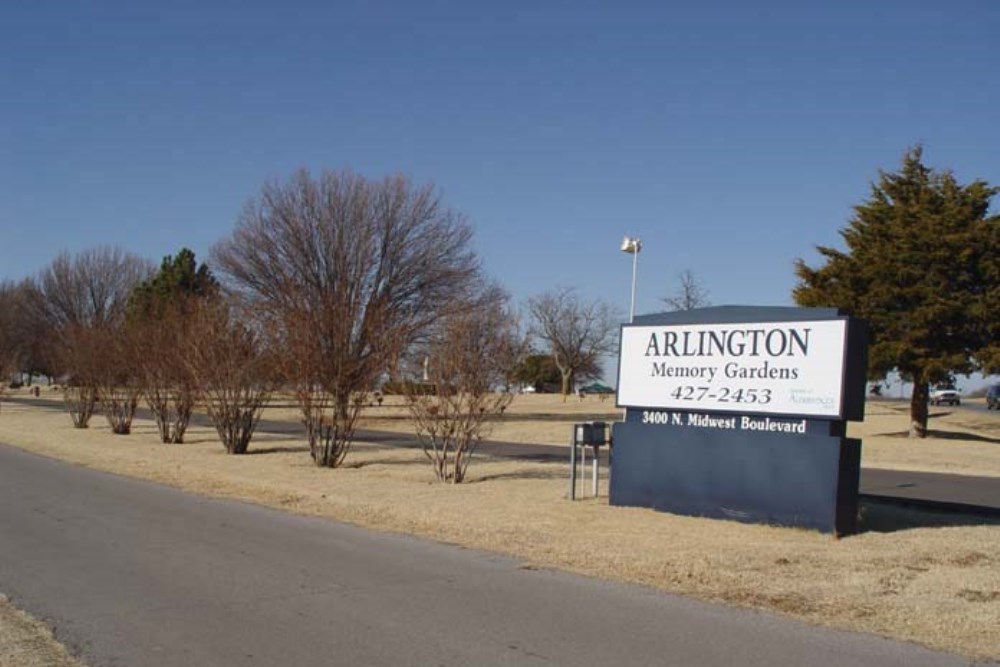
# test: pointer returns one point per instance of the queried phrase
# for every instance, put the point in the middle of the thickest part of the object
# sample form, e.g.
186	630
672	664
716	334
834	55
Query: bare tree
82	299
9	343
89	289
37	345
690	294
34	339
471	355
75	350
577	332
349	272
228	358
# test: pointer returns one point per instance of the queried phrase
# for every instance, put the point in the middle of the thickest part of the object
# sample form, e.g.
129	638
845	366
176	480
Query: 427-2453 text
722	395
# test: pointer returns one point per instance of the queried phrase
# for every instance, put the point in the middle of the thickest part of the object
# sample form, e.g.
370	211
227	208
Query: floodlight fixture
631	245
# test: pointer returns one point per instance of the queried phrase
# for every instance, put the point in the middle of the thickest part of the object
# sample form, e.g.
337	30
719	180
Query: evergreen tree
538	370
541	372
162	335
921	266
179	276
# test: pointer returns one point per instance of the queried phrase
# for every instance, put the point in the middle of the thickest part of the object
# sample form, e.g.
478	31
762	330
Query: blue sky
731	137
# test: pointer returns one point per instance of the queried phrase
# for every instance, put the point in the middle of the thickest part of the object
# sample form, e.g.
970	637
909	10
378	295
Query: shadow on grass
556	417
945	435
208	439
287	449
519	474
394	463
886	517
386	440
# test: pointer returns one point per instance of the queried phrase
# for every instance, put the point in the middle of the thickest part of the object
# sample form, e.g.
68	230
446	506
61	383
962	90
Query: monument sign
741	412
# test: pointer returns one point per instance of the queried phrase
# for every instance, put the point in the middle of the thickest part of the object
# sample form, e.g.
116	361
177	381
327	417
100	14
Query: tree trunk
80	402
918	409
567	381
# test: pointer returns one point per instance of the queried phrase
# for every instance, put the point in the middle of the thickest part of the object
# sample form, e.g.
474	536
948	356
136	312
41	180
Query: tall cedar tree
921	265
179	276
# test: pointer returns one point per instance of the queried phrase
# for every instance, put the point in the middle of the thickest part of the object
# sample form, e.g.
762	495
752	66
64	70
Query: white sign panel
782	368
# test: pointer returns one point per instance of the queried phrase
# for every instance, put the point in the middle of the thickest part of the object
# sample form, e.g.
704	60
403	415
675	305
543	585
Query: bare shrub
330	388
349	272
80	402
166	382
81	299
470	356
160	313
114	376
76	350
227	359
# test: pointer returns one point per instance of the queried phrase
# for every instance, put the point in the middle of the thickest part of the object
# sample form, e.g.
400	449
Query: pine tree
161	334
179	277
921	266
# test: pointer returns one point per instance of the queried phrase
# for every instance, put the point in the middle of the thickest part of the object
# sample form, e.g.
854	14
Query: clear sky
731	137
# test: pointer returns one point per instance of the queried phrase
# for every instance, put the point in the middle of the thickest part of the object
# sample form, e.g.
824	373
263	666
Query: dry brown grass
26	642
960	442
934	584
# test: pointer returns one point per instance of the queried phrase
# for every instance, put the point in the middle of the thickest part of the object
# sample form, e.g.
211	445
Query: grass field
931	579
26	642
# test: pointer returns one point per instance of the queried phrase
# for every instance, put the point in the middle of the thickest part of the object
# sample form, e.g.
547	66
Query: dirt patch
928	581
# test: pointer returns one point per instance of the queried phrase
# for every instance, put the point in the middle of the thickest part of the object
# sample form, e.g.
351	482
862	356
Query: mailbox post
586	434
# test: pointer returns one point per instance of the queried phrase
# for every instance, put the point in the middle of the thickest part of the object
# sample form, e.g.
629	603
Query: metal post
596	459
572	465
635	262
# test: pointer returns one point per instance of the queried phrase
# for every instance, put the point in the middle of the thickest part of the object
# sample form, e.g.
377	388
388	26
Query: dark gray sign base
807	481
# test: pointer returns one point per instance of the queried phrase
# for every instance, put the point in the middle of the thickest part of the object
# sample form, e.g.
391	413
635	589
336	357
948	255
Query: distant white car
942	394
527	389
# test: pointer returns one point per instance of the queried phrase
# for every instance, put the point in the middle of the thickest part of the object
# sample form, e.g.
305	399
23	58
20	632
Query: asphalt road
133	573
933	488
978	407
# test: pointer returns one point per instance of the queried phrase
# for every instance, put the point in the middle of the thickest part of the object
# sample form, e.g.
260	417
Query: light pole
632	246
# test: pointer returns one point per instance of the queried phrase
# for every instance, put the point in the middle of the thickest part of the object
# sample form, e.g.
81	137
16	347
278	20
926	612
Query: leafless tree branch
349	272
577	332
690	294
471	355
229	362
